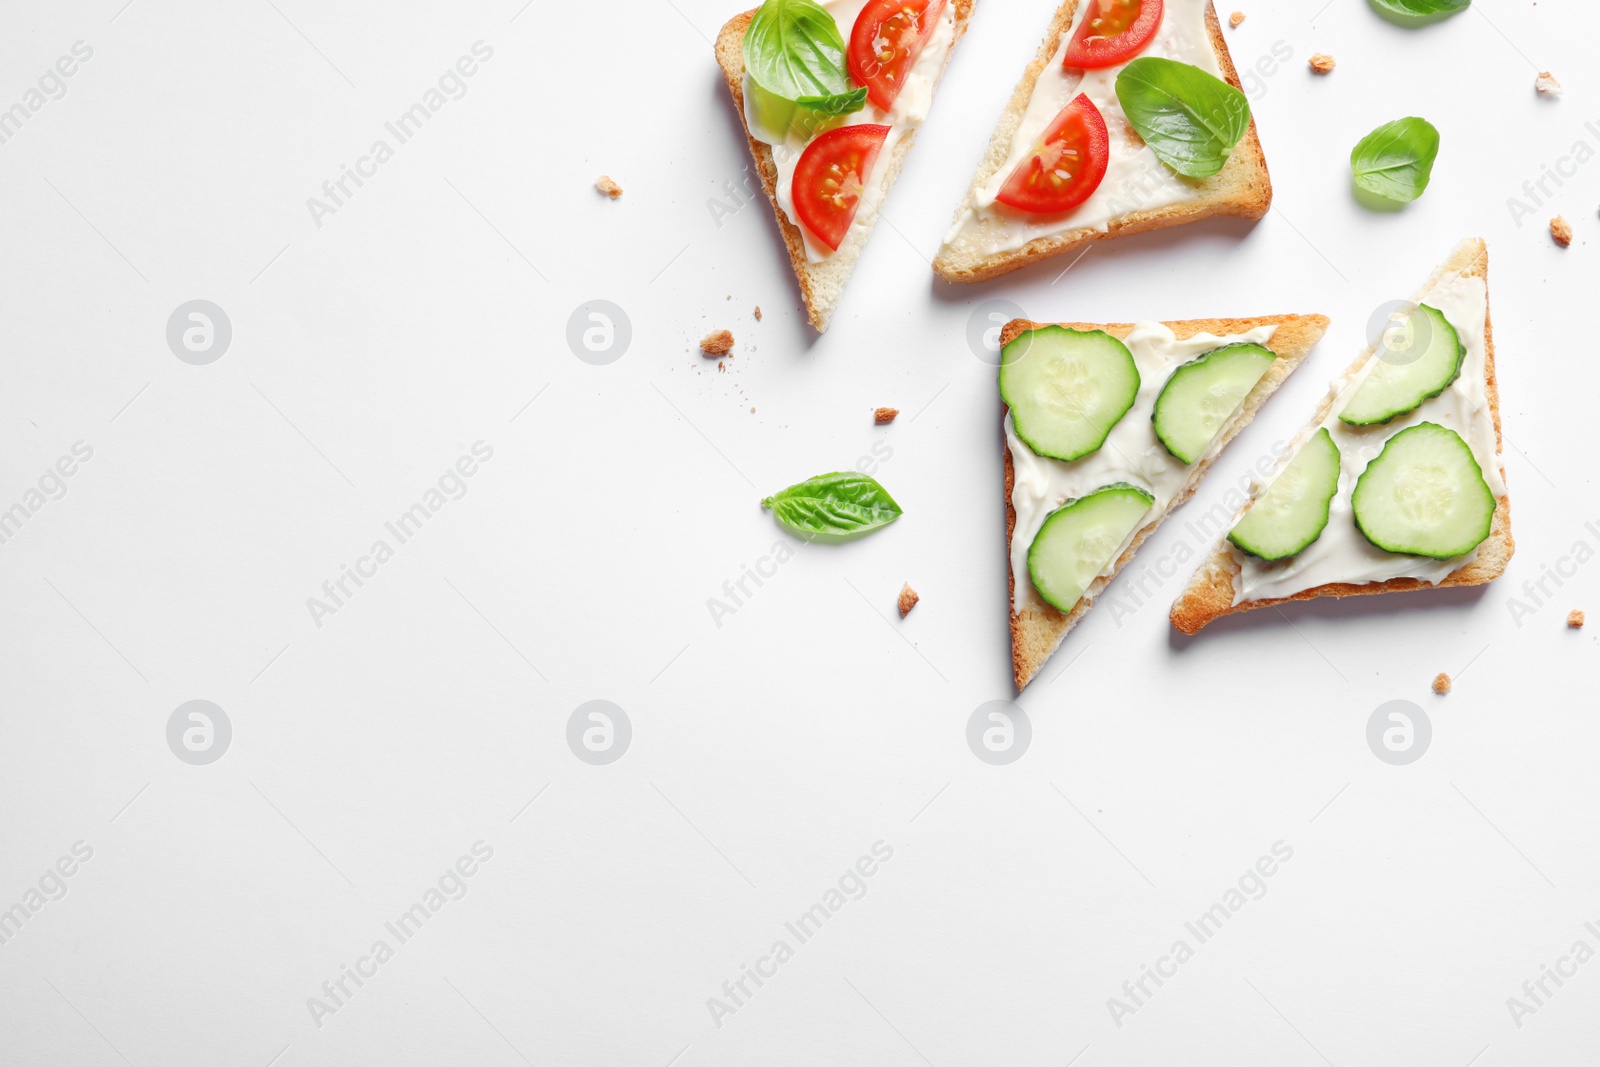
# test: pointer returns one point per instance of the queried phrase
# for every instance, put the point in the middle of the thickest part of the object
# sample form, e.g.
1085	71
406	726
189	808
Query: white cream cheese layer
1131	454
1135	179
788	129
1342	554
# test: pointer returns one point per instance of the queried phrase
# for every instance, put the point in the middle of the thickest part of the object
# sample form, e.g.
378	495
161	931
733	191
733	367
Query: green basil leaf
837	104
1190	119
834	507
793	50
1395	160
1415	10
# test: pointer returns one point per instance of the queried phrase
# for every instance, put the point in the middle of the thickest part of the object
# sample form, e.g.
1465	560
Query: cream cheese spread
1135	179
788	129
1131	453
1342	554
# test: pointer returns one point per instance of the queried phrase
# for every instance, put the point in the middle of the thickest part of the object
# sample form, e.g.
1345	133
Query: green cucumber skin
1394	546
1197	366
1061	514
1390	415
1322	439
1008	392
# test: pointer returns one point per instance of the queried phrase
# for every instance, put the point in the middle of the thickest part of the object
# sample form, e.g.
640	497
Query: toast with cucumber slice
1396	484
1107	429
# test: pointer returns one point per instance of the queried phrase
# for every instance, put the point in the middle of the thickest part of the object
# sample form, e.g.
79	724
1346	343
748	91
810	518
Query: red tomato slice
1066	165
1112	32
887	38
830	176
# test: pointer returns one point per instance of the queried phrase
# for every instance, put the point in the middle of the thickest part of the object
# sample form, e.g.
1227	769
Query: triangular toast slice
1132	453
822	281
1341	561
1137	194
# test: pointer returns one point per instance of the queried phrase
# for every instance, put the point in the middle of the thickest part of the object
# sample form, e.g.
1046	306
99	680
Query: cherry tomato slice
887	38
829	179
1066	165
1112	32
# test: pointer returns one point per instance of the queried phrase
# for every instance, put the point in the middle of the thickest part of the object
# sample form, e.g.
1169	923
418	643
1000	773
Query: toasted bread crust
821	294
1036	632
1242	188
1209	595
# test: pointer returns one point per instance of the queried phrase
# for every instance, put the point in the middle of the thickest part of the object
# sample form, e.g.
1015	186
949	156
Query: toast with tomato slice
822	281
1009	239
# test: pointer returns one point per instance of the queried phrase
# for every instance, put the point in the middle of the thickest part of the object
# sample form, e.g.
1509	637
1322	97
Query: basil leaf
1190	119
1395	160
793	50
837	104
1415	10
834	507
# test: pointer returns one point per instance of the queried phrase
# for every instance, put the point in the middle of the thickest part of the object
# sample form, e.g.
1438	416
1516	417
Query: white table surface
768	753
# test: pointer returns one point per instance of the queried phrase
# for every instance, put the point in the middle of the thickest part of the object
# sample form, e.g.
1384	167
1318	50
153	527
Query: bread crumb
908	599
1236	18
1322	63
758	312
716	344
1575	619
1546	83
884	416
1561	230
609	187
1441	684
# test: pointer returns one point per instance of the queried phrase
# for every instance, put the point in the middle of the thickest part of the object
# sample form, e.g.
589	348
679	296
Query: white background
769	752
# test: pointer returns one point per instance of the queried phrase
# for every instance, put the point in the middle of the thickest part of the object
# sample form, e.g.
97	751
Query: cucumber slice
1067	388
1424	495
1080	537
1293	511
1405	377
1203	394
